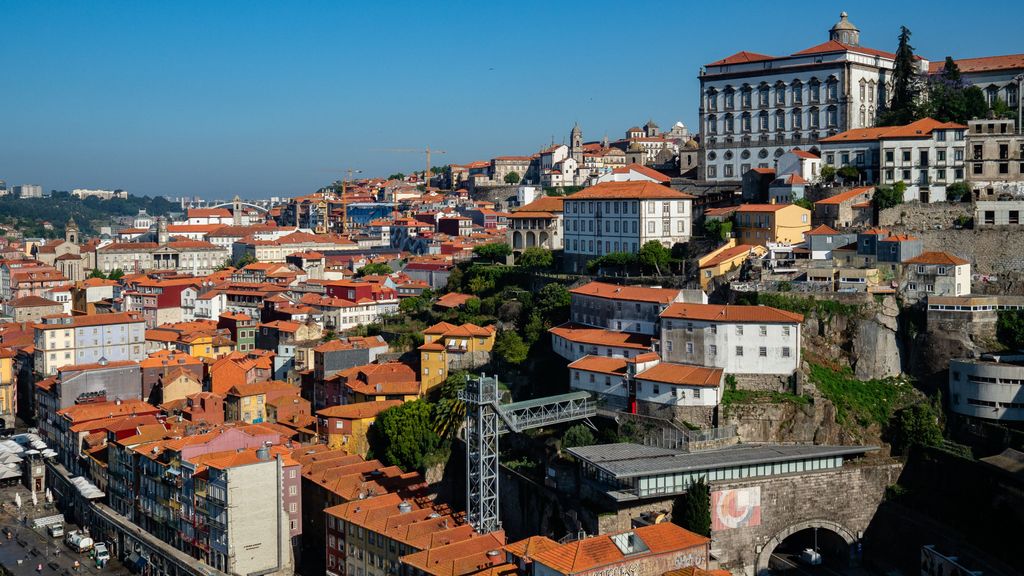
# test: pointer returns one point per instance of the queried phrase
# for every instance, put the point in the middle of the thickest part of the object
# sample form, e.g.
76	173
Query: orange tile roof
581	334
729	254
983	64
939	258
84	412
97	366
600	551
822	230
845	196
462	558
531	546
467	329
919	129
631	293
94	320
741	58
634	190
805	154
730	313
644	170
542	204
453	300
359	411
835	46
682	375
604	364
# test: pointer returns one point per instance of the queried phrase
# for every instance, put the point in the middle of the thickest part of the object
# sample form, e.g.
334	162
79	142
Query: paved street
28	548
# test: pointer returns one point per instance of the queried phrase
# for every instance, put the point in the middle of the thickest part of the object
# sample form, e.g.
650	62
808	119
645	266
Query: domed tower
650	129
576	144
71	234
845	32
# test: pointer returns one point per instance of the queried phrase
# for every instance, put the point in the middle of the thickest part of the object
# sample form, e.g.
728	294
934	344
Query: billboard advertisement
736	508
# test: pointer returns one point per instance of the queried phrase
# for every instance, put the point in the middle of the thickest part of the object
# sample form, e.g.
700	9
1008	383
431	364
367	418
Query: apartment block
67	340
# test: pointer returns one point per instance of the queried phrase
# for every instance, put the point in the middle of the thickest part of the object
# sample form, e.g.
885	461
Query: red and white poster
736	508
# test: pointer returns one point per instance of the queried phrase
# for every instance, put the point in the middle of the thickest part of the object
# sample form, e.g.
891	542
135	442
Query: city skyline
261	101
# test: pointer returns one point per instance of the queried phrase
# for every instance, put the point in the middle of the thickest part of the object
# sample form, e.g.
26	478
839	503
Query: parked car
55	530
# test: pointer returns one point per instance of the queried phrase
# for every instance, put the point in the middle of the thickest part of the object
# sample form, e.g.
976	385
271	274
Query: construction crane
486	419
426	173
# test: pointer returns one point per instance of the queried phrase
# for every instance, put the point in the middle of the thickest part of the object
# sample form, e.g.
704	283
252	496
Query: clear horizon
278	99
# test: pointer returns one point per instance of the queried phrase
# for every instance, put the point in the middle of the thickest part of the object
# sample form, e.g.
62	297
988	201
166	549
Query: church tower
845	32
162	236
71	234
236	211
576	144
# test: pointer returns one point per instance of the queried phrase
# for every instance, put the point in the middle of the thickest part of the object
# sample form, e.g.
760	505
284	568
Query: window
739	330
762	352
650	227
785	329
696	393
712	350
785	351
739	350
763	330
689	347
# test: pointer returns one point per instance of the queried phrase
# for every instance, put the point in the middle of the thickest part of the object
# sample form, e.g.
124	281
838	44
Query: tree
455	280
1010	329
828	174
805	203
849	174
115	274
692	510
497	252
376	268
397	176
413	305
97	273
577	435
1001	110
449	412
653	255
511	348
915	425
512	178
906	85
245	260
553	303
957	191
888	196
403	436
536	258
975	105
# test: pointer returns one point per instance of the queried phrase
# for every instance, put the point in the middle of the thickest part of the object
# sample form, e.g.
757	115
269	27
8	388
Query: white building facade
737	339
754	108
622	217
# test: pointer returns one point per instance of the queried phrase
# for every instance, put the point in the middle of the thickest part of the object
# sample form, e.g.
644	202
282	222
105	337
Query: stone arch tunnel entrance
837	546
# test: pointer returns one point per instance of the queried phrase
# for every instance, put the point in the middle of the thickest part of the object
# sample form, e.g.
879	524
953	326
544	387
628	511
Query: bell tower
576	144
71	234
845	32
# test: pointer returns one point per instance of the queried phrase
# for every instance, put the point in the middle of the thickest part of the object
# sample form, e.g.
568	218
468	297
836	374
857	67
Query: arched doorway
517	240
782	553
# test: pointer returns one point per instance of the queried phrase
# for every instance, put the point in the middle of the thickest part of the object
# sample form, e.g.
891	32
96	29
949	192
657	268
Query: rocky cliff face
814	422
867	340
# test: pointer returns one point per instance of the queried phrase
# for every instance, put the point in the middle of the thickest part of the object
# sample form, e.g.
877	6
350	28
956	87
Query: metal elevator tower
486	419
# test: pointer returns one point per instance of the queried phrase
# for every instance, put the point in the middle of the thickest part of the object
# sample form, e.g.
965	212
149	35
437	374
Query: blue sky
267	98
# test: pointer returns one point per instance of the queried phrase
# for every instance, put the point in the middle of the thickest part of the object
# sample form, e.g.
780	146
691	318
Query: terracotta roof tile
731	313
631	293
939	258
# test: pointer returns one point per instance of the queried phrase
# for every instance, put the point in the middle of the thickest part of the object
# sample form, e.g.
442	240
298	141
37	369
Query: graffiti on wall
737	508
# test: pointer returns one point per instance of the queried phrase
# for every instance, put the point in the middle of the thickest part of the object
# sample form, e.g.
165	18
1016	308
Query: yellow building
344	427
763	223
446	344
205	345
248	402
8	388
721	261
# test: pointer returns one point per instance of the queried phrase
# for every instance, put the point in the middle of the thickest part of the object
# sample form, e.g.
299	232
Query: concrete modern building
755	108
738	339
990	387
622	217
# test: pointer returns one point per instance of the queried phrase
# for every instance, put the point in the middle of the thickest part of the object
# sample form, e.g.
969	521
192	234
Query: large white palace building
754	107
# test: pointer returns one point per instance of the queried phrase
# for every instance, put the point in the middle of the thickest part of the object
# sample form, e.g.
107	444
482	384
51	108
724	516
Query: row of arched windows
765	121
766	95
